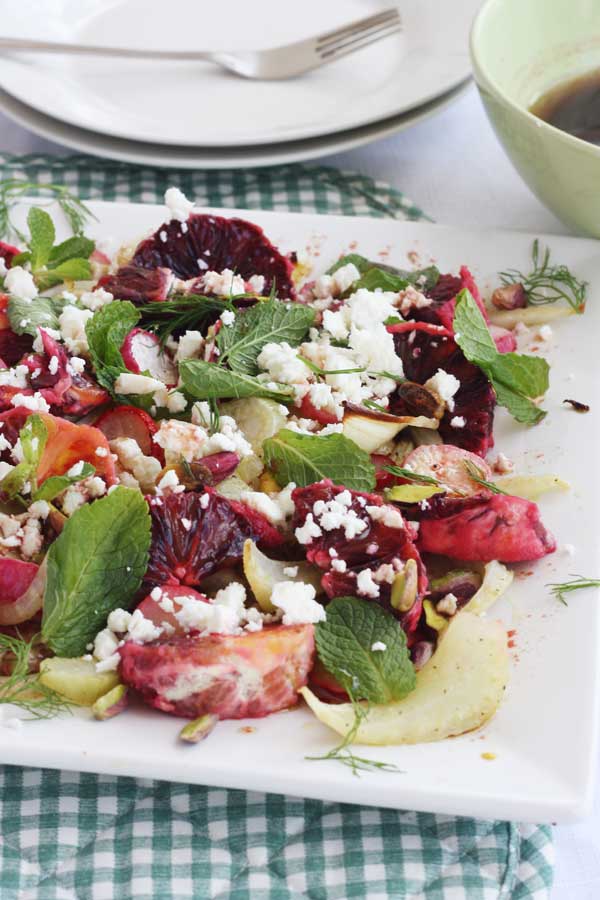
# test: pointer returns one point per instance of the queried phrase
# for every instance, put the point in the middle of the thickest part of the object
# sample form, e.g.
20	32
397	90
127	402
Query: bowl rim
564	137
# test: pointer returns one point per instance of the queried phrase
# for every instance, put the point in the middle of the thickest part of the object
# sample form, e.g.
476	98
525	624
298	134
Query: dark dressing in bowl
573	106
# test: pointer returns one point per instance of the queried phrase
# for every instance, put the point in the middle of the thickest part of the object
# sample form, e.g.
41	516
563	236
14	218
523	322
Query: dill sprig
547	283
323	372
559	589
12	190
409	475
476	475
24	689
180	313
346	757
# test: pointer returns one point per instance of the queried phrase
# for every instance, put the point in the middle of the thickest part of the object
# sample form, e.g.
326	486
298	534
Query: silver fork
274	63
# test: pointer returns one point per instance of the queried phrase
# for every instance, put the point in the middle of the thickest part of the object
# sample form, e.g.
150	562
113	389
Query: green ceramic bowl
520	49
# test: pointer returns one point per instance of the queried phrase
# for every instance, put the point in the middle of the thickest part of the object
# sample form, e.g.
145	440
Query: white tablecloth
452	167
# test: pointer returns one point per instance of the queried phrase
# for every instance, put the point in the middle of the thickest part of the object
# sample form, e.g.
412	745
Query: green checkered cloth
70	836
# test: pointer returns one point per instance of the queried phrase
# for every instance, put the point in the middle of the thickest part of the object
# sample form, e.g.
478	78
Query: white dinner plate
215	157
199	104
543	738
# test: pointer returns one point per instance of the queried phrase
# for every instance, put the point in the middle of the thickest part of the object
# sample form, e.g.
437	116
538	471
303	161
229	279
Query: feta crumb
297	601
178	205
257	283
263	504
445	386
76	469
96	299
227	317
101	451
204	501
365	585
72	322
387	515
503	464
35	403
223	284
305	533
142	630
290	571
129	383
187	523
339	565
458	422
189	346
118	620
447	605
378	646
19	282
283	363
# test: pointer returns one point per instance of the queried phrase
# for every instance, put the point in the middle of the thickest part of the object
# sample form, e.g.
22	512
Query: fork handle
24	44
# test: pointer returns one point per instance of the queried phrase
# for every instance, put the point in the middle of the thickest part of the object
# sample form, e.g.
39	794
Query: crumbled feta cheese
387	515
297	601
129	383
447	605
142	630
365	585
75	365
257	283
339	565
263	504
290	571
19	282
378	647
458	422
228	317
145	469
445	386
305	533
189	346
334	513
178	205
76	469
344	277
283	363
15	377
411	298
118	620
35	403
105	644
503	464
224	284
72	322
40	509
101	451
204	501
191	441
96	299
174	401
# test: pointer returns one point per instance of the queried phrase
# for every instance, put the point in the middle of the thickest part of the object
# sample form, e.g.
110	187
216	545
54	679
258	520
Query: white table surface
453	168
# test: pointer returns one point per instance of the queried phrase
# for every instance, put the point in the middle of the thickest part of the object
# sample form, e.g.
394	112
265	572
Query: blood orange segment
138	284
231	676
216	243
508	529
69	443
151	608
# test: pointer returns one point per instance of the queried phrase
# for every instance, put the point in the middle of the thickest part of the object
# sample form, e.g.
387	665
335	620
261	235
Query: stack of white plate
195	115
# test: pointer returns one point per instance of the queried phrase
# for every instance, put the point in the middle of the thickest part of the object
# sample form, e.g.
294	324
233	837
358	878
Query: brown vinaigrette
573	106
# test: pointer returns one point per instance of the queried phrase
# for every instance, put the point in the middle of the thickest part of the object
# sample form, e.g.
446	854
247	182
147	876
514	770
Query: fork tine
363	40
358	26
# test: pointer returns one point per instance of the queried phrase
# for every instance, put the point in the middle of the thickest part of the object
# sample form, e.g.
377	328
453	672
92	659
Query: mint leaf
517	379
378	279
266	322
42	236
527	375
56	484
208	381
94	566
471	332
32	436
106	331
306	458
26	317
361	262
76	247
69	270
344	644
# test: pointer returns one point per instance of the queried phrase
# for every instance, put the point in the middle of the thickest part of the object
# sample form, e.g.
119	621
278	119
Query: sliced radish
131	422
142	352
448	464
504	339
169	593
22	586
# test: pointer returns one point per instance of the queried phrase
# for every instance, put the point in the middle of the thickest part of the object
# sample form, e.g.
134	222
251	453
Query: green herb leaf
187	312
424	279
33	436
69	270
56	484
344	643
476	475
22	689
580	582
306	458
76	247
361	262
548	283
106	331
13	189
208	381
516	379
94	566
26	317
42	235
269	321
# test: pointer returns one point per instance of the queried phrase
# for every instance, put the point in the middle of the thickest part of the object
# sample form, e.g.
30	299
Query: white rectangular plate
544	736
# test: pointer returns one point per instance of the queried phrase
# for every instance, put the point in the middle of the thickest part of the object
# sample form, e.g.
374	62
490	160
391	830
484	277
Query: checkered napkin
70	836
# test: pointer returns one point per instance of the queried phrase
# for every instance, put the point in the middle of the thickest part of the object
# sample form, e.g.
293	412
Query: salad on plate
227	484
